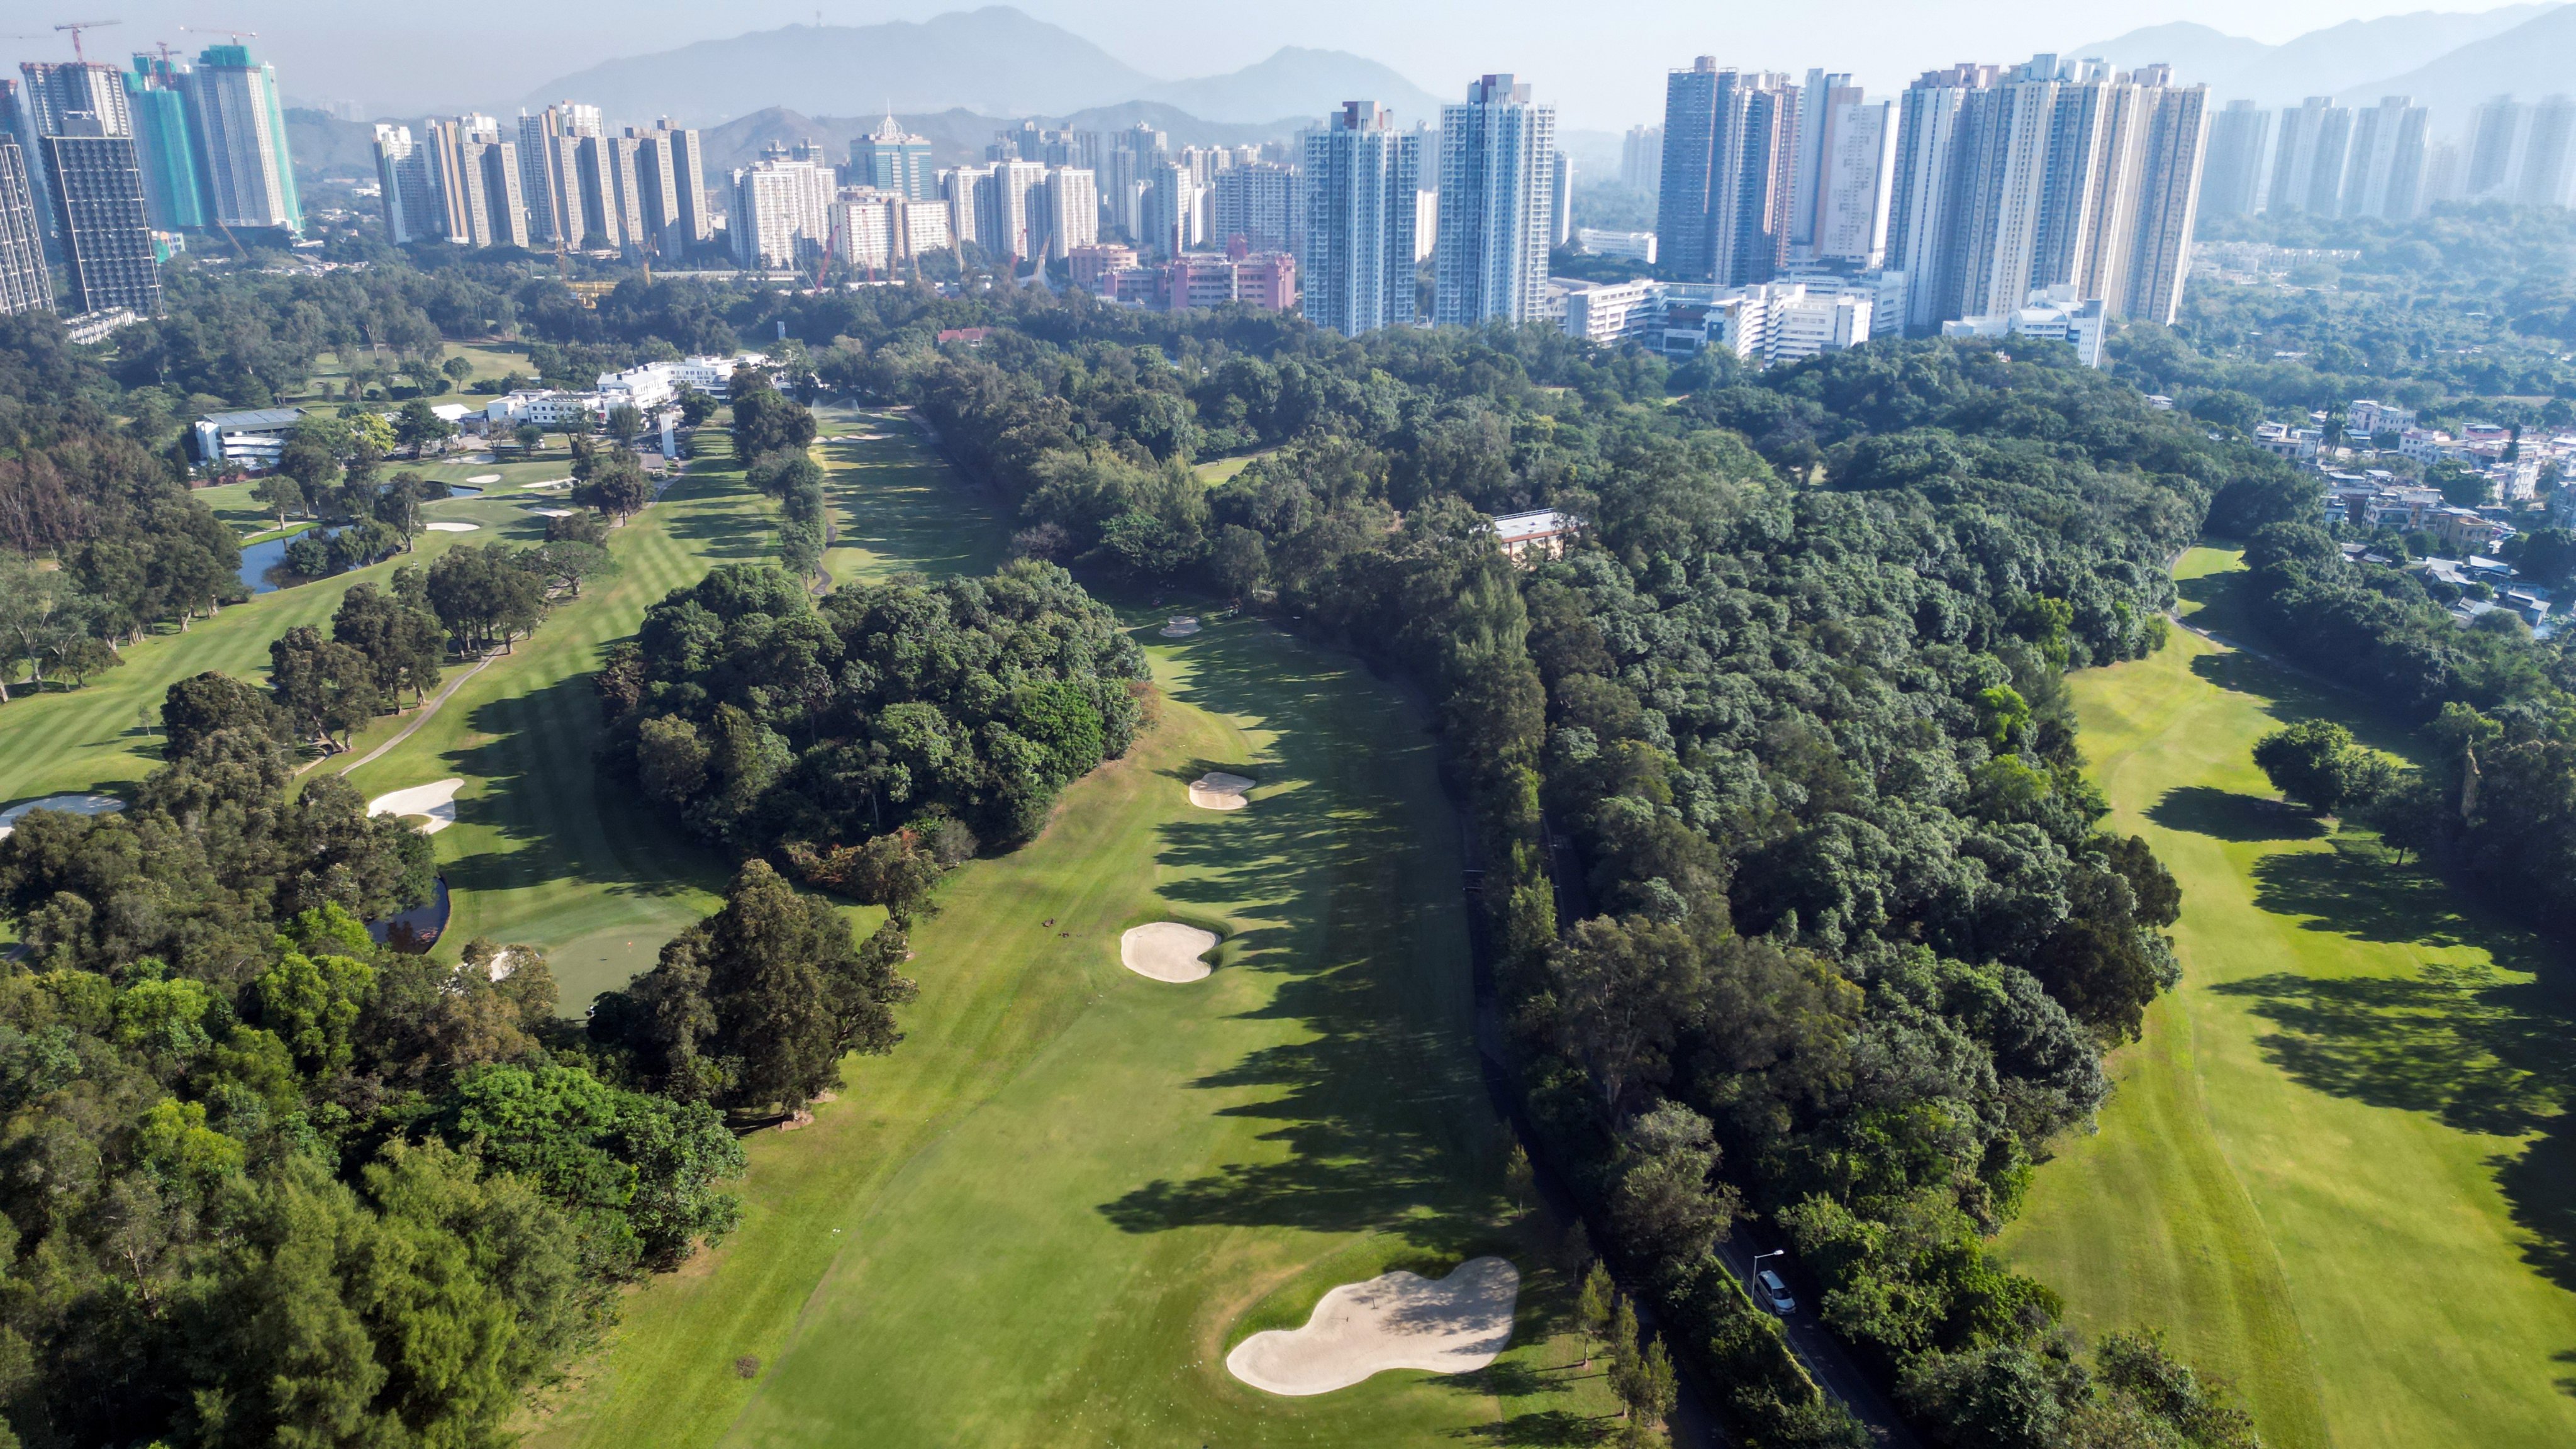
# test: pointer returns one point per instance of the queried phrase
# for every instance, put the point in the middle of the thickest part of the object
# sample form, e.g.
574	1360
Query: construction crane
76	27
237	36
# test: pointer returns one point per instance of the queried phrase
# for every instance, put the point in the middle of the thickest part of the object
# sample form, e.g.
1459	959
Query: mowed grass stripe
89	739
2335	1170
541	853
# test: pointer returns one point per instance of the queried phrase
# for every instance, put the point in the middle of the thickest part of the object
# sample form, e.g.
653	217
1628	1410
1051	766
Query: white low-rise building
1542	532
646	388
1633	246
252	440
2054	314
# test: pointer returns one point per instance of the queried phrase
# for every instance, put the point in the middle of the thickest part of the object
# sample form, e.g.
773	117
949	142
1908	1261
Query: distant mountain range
956	136
993	62
2446	60
2533	60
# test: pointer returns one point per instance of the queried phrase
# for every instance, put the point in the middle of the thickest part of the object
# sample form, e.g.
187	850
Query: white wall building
2053	313
781	209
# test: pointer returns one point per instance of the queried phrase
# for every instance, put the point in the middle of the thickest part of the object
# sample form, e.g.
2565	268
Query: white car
1774	1292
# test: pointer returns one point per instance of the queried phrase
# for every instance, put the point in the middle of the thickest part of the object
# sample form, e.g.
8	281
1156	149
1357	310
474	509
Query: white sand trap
437	801
1217	790
1396	1320
481	478
1167	951
1181	627
72	805
449	526
551	485
553	512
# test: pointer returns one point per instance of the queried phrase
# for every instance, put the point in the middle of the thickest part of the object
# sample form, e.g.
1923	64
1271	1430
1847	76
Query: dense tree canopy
763	718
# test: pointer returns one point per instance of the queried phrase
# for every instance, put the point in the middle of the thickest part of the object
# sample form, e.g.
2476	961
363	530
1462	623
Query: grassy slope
1048	1214
2330	1171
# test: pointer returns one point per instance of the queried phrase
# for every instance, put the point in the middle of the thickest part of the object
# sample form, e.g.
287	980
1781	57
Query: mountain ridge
996	61
2349	57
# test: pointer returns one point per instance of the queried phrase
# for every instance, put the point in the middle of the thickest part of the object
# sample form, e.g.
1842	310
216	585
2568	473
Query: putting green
2333	1169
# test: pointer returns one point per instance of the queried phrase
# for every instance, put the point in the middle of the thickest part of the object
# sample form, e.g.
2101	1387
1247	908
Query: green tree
1592	1307
39	611
572	562
755	1006
625	424
2314	762
1625	1363
325	687
280	493
1623	988
418	425
195	708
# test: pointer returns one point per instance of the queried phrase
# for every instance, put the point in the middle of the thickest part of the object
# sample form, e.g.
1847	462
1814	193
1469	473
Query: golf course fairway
2334	1170
1049	1214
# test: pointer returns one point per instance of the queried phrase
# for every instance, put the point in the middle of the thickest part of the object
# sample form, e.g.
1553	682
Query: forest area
1843	951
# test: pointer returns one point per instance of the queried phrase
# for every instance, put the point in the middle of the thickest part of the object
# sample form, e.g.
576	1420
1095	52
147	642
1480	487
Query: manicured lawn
897	506
1046	1217
2334	1170
541	852
96	738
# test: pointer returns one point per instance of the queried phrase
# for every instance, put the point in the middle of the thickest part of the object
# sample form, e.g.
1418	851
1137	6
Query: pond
259	561
417	929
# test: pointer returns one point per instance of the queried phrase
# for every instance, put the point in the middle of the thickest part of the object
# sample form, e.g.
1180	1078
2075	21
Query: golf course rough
2333	1171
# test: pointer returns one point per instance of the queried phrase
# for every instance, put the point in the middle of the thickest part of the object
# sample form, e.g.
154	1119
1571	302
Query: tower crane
76	27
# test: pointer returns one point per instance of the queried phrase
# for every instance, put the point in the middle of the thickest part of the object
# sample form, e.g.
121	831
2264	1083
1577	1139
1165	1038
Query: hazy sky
1601	61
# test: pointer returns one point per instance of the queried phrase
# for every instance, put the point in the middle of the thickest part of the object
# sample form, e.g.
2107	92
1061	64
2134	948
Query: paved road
1825	1358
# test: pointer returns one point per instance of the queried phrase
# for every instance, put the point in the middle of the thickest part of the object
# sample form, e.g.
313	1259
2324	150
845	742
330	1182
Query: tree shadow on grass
2486	1048
2227	815
1377	1105
1546	1427
543	797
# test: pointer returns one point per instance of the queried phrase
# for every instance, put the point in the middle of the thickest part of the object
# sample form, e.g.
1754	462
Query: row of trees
2492	802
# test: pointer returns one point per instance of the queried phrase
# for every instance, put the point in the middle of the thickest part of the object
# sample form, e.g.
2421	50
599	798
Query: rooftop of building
1537	523
255	418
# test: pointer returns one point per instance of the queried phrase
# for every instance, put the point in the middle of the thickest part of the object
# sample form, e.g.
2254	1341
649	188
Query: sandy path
72	805
1397	1320
1217	790
1167	951
437	801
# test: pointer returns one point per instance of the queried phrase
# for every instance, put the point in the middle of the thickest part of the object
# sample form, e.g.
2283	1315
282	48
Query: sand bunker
1217	790
553	512
437	801
1397	1320
450	527
72	805
551	485
1181	627
484	478
1167	951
